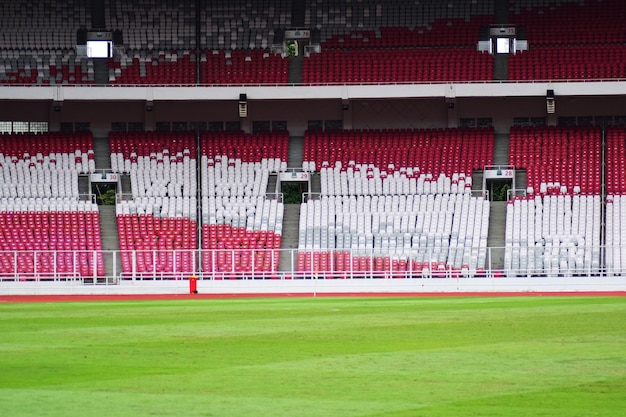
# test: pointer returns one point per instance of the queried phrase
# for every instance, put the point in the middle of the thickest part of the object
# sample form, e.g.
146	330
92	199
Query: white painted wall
314	287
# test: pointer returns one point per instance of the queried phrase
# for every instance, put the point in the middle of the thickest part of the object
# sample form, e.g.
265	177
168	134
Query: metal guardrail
113	266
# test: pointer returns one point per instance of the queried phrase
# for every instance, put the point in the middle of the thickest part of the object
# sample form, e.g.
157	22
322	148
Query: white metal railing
249	264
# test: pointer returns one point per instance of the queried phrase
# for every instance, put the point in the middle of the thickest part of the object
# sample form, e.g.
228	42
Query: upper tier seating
38	40
216	67
152	67
44	24
401	23
240	24
398	41
570	22
397	65
558	159
159	38
49	66
159	222
569	62
256	66
570	40
153	25
400	198
241	226
45	229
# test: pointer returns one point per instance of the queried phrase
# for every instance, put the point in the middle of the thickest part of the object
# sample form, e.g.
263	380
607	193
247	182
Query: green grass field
472	356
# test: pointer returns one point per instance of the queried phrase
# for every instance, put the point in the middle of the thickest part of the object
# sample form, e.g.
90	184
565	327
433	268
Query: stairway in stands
110	239
497	216
298	15
98	20
291	220
102	153
295	69
291	215
108	221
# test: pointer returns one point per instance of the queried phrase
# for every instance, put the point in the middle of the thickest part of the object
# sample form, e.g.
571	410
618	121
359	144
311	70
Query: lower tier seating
398	199
558	159
49	237
615	160
157	223
427	151
241	219
239	252
552	235
417	233
615	231
158	236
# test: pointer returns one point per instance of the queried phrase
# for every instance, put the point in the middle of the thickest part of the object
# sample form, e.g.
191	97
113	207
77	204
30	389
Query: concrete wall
313	287
360	107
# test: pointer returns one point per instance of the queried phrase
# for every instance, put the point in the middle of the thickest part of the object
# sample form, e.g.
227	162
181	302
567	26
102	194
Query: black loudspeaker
279	35
243	105
81	36
118	37
316	36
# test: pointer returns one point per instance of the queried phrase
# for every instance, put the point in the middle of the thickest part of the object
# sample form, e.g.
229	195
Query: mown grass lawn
465	356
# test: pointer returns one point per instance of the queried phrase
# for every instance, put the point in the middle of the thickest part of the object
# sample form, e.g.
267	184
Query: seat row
615	160
50	238
553	235
397	66
548	23
569	62
241	223
368	180
570	156
229	147
345	264
446	228
432	151
157	246
158	227
256	213
615	232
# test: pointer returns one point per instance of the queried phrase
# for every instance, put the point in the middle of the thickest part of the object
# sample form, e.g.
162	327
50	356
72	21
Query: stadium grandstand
285	145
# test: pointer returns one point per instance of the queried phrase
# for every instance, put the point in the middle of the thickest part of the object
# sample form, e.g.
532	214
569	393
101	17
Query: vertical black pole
198	46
